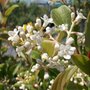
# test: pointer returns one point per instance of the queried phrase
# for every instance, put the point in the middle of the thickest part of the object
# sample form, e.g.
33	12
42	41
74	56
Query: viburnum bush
54	52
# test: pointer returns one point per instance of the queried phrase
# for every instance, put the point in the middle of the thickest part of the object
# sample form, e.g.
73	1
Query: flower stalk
71	28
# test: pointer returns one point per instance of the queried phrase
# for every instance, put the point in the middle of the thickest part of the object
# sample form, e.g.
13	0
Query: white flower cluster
23	78
79	77
66	51
51	83
78	18
29	37
35	67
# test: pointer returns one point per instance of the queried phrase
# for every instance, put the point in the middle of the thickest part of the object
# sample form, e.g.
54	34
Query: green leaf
87	34
10	9
75	86
48	47
1	16
82	62
1	86
75	2
16	69
62	79
35	54
61	36
2	65
61	15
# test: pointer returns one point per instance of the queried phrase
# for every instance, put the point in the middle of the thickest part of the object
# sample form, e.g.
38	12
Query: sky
28	1
36	1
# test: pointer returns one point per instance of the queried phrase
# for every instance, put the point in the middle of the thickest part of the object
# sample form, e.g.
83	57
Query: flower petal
67	56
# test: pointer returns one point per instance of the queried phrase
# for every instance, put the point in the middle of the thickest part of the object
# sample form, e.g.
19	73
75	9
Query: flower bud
45	16
38	21
22	34
75	81
48	30
69	41
29	28
81	83
39	47
32	37
27	35
79	17
41	83
79	34
55	58
44	56
46	76
49	86
36	25
36	85
52	81
20	28
22	87
57	46
27	44
72	16
35	67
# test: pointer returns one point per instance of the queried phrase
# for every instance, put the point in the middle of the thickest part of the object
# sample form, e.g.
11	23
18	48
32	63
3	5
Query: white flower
22	87
79	17
55	58
36	85
19	50
48	30
46	76
69	41
35	67
41	83
79	75
27	44
44	56
52	81
65	61
75	81
63	27
71	79
32	37
46	20
38	22
49	86
13	35
28	35
29	28
20	28
22	34
36	37
66	51
81	83
39	47
45	17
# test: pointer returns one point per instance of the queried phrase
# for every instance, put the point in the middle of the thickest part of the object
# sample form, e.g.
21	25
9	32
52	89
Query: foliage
47	53
5	13
25	14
